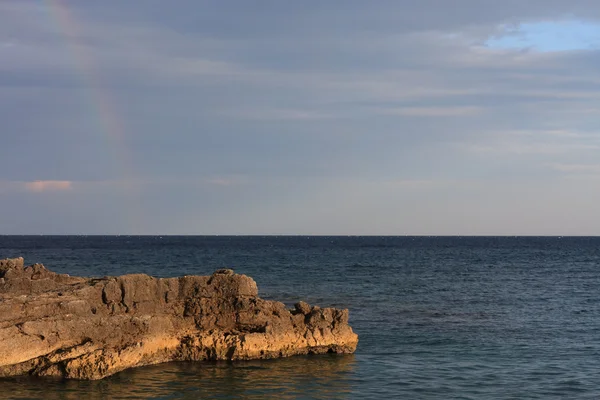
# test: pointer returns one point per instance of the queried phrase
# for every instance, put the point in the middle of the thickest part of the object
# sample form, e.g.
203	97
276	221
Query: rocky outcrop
85	328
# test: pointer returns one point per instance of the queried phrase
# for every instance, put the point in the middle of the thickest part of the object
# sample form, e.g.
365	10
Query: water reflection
324	376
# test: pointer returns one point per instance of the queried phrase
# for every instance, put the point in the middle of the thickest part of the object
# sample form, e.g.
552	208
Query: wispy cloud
577	168
48	186
224	181
535	141
449	111
278	114
532	148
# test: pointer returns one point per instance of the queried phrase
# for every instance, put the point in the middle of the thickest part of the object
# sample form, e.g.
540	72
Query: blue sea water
437	317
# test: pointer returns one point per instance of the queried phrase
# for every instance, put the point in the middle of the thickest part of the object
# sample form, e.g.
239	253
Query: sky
338	117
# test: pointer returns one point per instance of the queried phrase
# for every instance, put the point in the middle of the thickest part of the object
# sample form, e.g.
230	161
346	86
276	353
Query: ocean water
437	317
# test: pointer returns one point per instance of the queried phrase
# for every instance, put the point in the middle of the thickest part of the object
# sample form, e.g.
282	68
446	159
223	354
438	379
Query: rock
87	328
224	271
302	307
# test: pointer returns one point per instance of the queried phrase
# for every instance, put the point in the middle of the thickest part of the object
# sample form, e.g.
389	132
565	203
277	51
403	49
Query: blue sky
427	117
549	36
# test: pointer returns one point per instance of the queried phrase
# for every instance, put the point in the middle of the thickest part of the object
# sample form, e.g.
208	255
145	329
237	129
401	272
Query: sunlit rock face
84	328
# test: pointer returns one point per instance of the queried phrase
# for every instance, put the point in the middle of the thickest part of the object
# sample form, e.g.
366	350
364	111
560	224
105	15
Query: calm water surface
437	317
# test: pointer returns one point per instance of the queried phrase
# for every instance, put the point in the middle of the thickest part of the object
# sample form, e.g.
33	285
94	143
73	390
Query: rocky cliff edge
85	328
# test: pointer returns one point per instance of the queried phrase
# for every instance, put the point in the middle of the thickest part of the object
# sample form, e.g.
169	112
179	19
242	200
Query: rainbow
100	101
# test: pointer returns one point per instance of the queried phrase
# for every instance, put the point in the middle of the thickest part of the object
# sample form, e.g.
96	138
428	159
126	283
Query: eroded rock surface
57	325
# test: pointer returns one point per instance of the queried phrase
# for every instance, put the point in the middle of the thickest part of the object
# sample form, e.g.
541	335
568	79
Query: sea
437	317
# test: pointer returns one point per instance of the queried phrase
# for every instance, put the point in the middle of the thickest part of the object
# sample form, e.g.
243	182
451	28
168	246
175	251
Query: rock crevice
88	328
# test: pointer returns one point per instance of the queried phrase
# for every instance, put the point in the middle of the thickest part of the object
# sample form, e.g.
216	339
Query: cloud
406	92
275	114
546	142
432	111
593	169
224	181
532	148
48	186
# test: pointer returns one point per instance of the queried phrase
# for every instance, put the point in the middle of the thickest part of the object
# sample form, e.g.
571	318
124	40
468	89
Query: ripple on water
323	376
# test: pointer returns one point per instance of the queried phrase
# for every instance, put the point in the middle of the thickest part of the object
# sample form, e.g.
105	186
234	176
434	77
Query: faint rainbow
101	102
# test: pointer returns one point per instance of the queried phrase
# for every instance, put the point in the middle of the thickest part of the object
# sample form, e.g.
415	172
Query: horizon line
301	235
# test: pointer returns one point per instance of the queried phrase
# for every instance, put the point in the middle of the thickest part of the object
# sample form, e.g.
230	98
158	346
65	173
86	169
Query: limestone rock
84	328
